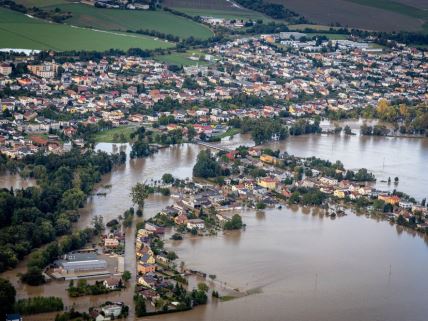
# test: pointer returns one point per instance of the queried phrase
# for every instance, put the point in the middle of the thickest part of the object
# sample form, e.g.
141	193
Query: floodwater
303	266
15	181
405	158
296	264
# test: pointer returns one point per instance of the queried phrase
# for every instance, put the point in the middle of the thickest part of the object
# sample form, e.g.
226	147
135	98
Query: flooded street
352	268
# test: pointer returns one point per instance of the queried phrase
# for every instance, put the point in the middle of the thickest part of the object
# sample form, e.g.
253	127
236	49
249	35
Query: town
55	108
48	103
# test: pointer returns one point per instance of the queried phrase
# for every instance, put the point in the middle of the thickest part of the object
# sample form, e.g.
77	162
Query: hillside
20	31
123	20
383	15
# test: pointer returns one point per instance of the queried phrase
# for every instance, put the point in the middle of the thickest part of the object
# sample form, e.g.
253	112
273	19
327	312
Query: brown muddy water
296	264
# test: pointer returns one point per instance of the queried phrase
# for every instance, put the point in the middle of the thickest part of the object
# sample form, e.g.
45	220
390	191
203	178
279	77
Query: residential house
196	223
111	242
112	283
181	219
389	199
144	268
267	182
147	281
340	193
112	310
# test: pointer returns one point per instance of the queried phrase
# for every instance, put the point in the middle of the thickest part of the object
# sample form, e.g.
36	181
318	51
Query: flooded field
294	263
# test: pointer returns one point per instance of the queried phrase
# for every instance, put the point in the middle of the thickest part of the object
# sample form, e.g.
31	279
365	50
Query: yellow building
267	182
339	193
389	199
269	159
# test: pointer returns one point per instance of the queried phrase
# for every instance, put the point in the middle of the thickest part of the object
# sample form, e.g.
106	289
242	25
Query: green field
397	7
182	58
227	14
20	31
123	20
394	6
113	135
40	3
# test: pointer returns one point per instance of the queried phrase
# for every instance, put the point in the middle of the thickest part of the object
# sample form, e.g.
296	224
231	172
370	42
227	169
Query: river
298	264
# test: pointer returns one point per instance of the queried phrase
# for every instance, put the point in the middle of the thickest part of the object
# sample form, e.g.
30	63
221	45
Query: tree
98	224
234	224
139	193
72	199
382	107
203	287
171	256
191	133
140	305
33	276
167	178
7	297
348	130
206	166
126	276
404	110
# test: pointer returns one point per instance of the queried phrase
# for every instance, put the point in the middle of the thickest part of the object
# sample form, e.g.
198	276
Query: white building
196	223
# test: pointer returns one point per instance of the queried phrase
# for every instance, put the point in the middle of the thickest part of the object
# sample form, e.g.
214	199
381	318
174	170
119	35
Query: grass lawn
20	31
230	132
113	135
227	14
123	20
182	58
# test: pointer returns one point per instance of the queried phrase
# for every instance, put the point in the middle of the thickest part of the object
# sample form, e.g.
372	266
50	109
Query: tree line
39	214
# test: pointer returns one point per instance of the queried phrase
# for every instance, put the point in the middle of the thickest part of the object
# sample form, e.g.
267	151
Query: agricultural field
40	3
123	20
20	31
215	8
183	58
383	15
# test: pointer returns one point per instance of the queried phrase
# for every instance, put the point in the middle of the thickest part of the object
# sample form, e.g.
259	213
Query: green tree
126	276
167	178
140	305
139	193
33	276
203	287
7	297
234	224
206	166
72	199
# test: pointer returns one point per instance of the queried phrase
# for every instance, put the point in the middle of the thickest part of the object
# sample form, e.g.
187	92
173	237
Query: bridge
212	146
